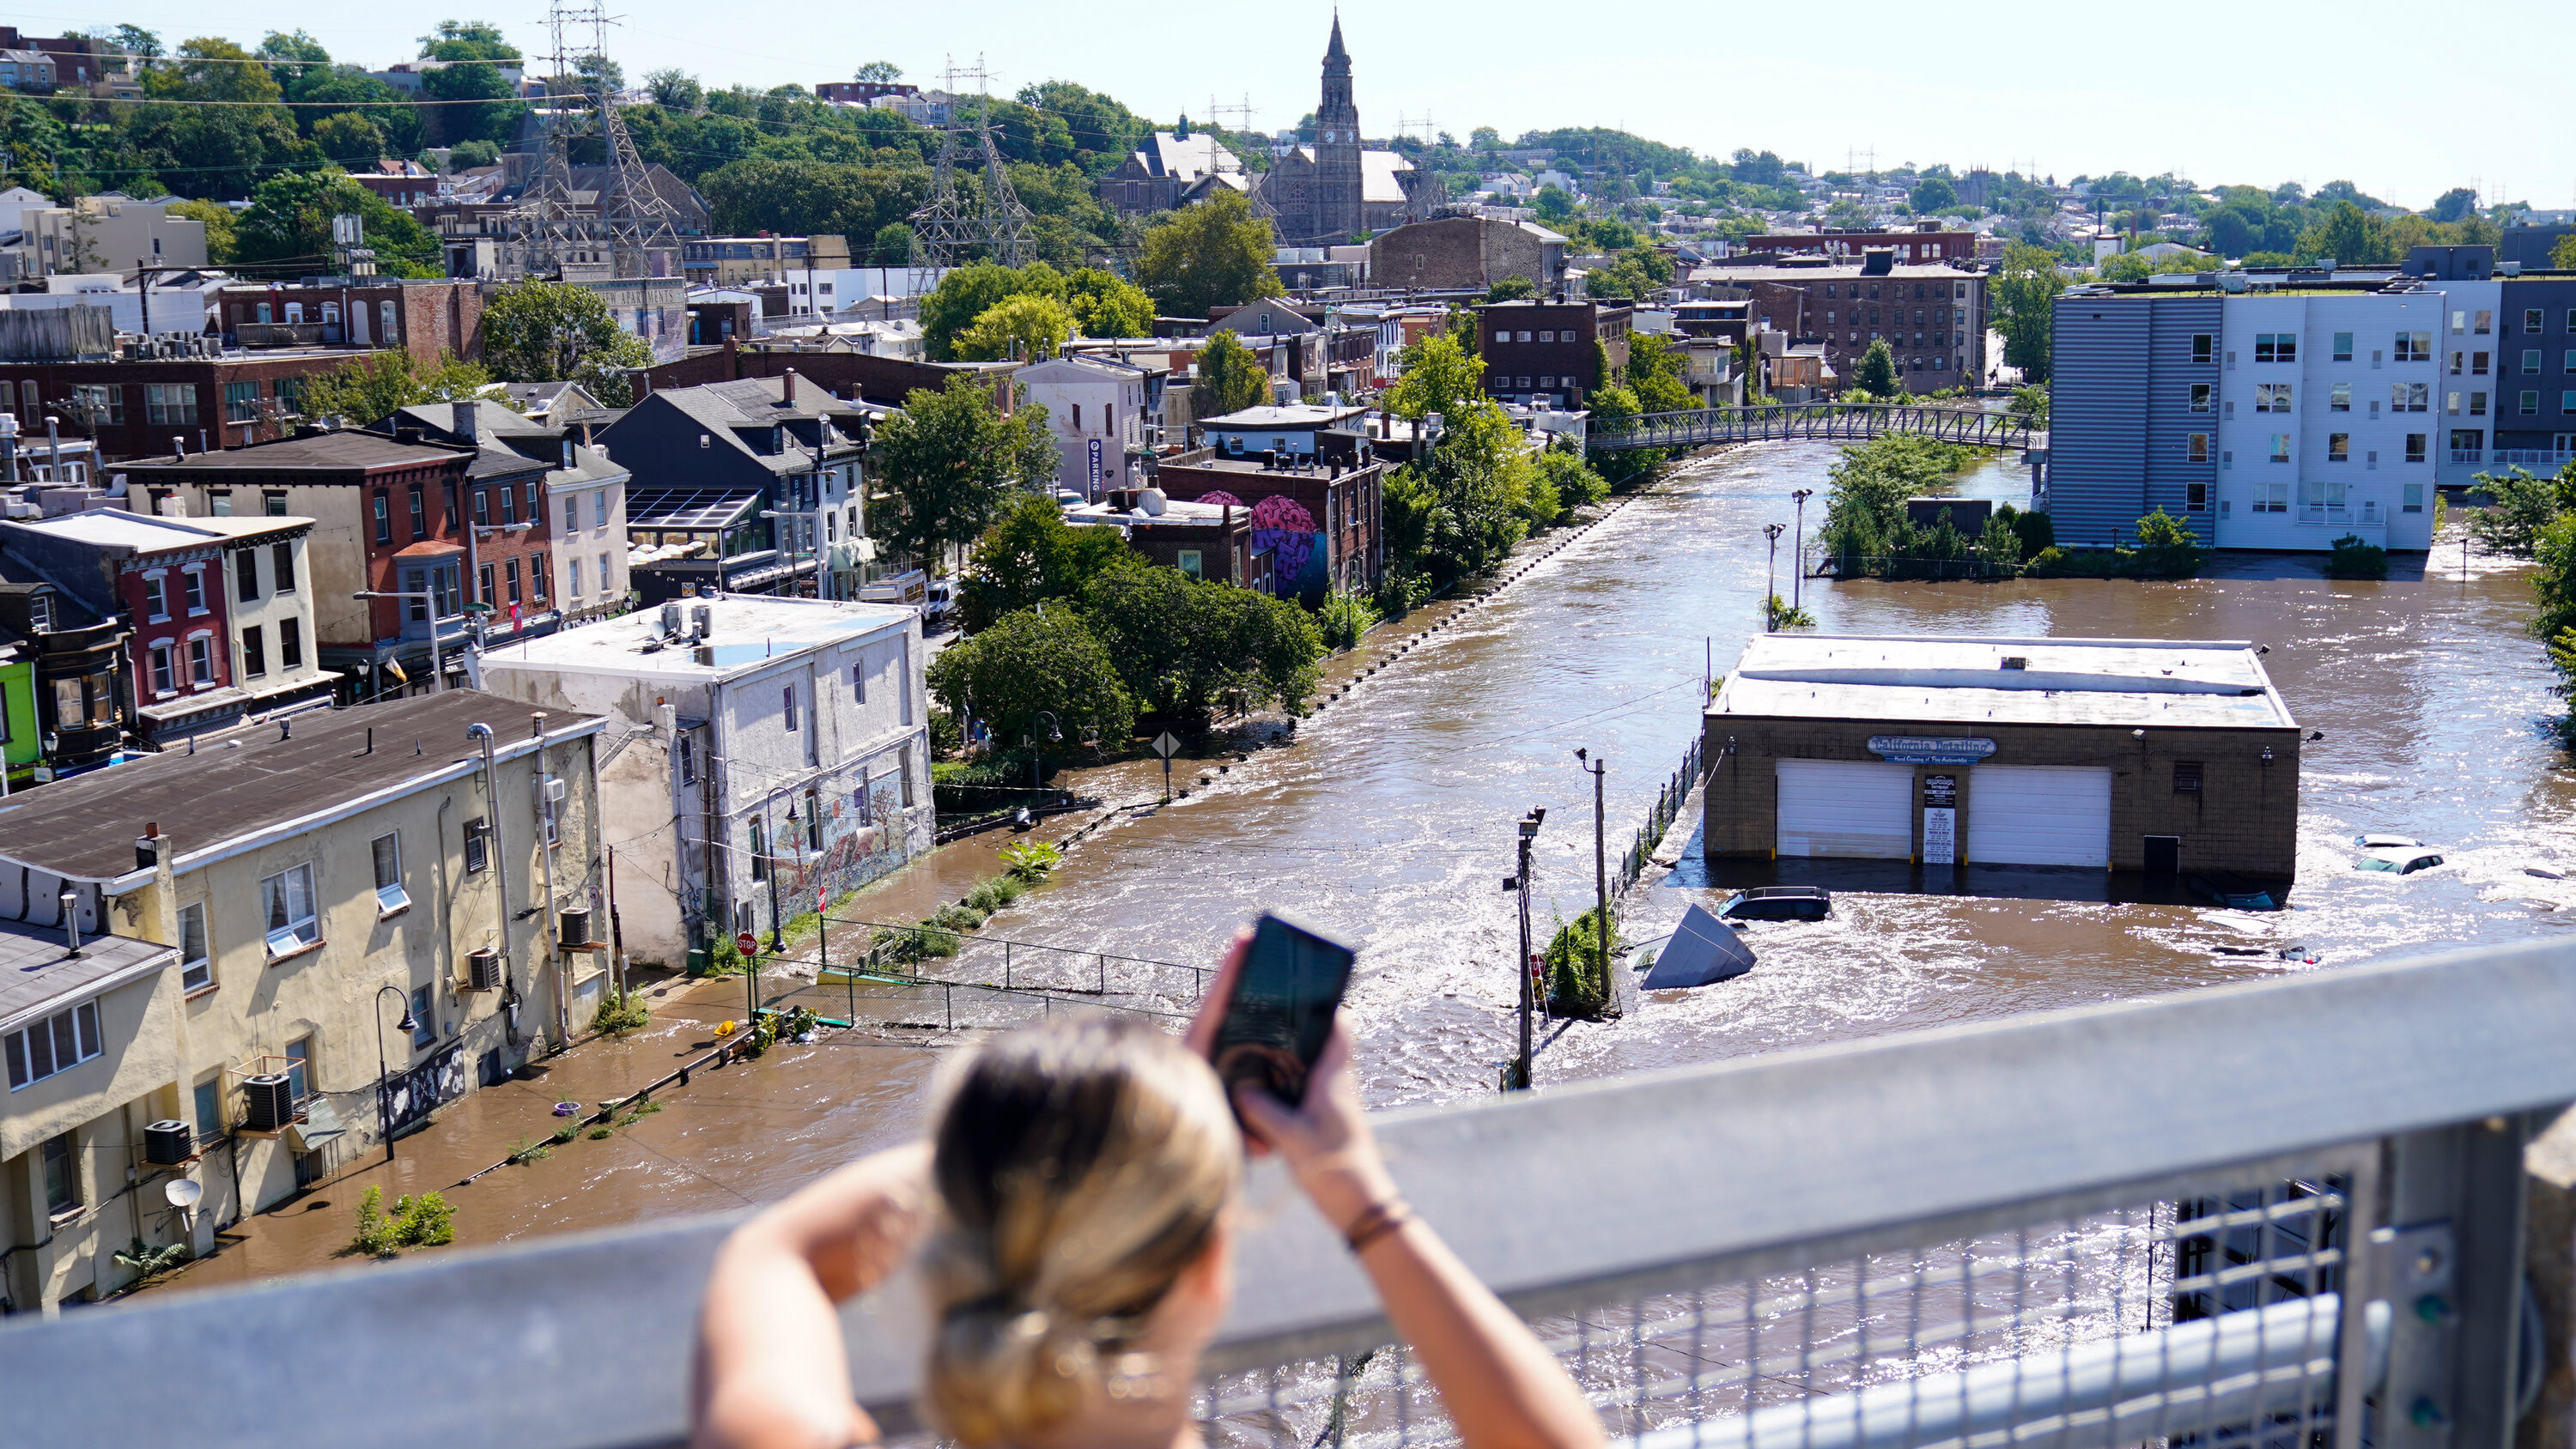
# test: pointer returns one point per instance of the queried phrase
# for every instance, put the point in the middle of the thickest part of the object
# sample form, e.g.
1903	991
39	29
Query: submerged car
1778	903
2398	859
2388	842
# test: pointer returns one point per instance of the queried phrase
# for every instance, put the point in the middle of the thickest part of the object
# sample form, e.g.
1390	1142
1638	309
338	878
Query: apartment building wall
2535	426
2134	421
2469	345
2339	457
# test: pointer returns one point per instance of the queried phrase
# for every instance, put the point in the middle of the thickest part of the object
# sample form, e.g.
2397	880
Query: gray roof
250	780
1284	415
1964	679
335	452
38	973
758	402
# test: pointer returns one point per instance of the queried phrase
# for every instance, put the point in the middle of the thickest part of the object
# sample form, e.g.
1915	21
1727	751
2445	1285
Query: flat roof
1285	415
247	781
2163	683
38	973
746	633
147	533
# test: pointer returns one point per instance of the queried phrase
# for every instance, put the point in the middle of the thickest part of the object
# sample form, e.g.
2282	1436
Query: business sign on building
1924	750
1940	819
1095	468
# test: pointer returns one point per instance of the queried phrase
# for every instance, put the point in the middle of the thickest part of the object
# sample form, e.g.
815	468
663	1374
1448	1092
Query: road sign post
749	945
1166	746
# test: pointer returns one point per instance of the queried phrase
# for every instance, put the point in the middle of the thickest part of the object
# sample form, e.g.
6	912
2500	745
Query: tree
350	139
1230	378
223	244
881	72
1437	376
289	222
535	331
1179	643
946	461
1028	662
1026	327
1933	193
1514	288
2348	234
1214	254
1552	204
212	69
673	87
1031	555
1485	138
1472	497
1876	374
2454	204
892	245
2024	291
372	388
1656	374
1107	305
2562	256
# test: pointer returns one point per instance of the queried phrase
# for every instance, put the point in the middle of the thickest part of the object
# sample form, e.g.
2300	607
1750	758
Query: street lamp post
1798	548
1037	765
1527	964
1601	874
1771	579
437	661
384	1104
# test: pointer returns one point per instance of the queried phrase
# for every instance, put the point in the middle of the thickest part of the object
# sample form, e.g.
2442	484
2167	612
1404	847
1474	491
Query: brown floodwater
1390	817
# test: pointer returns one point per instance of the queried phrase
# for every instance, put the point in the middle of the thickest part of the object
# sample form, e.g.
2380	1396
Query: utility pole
1601	879
1771	577
1798	548
1527	964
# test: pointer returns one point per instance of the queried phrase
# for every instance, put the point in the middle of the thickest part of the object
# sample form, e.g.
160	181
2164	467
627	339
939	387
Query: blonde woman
1075	1211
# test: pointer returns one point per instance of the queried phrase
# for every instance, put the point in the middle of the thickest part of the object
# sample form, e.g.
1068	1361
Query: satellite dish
182	1192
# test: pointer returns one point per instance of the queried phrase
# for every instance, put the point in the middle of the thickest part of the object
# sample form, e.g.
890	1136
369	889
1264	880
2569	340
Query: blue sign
1095	465
1922	750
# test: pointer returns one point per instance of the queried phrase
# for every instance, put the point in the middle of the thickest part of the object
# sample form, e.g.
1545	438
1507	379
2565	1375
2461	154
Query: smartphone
1281	1013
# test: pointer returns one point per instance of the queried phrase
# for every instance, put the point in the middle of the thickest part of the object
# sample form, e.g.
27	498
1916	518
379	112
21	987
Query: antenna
1242	113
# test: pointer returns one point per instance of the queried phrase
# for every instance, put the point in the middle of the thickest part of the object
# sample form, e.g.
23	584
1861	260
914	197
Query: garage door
2039	815
1842	808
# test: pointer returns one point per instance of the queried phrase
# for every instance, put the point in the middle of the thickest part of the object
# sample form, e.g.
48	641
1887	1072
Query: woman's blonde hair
1082	1165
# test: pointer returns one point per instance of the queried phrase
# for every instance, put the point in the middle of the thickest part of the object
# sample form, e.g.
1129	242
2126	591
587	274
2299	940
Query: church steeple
1333	53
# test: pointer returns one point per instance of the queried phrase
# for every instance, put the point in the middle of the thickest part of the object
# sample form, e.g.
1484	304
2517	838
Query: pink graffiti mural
1221	498
1282	525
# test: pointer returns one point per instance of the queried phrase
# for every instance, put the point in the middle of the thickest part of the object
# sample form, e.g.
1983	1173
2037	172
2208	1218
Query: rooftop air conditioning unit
572	930
483	970
168	1143
270	1101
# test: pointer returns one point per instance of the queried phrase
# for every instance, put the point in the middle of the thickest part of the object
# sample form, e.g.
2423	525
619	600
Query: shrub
984	898
1400	592
426	1221
1578	978
375	1235
2354	559
957	918
1785	615
1344	618
621	1012
1030	860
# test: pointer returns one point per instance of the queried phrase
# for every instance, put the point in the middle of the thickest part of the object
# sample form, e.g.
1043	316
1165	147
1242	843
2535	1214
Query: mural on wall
411	1096
863	838
1296	542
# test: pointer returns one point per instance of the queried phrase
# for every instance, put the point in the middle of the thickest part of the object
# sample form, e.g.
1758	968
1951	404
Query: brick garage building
424	319
1542	353
1467	252
1955	755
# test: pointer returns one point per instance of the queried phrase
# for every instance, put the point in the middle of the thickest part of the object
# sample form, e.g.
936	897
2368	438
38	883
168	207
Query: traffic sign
747	943
1165	746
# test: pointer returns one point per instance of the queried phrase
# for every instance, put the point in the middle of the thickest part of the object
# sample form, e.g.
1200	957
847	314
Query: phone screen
1281	1012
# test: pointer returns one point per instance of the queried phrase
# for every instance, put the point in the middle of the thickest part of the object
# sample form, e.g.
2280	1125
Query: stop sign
747	943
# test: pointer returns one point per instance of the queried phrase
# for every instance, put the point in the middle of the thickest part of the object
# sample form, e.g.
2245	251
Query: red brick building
1339	509
468	525
1543	353
205	403
851	376
1923	245
424	319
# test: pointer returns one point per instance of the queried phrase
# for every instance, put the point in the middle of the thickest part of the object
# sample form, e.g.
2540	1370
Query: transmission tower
638	223
630	231
939	229
943	234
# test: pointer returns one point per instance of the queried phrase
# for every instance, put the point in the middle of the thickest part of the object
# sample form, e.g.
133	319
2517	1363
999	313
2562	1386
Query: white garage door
1847	809
2039	815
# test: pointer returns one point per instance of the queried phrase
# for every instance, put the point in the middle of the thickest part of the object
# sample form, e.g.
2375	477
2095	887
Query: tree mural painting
1295	541
863	838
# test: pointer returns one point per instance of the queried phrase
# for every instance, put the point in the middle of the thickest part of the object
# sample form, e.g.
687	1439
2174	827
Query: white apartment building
1095	412
2332	409
112	232
766	751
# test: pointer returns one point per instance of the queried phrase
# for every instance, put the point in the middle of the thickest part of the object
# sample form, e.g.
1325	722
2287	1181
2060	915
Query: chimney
179	447
469	420
787	393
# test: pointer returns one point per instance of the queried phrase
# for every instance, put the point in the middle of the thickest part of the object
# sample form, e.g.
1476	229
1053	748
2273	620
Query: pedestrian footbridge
1700	427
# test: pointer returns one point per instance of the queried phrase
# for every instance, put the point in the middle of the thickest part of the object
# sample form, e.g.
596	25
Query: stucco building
1467	252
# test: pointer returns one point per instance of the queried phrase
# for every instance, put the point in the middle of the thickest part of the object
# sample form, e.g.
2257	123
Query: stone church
1330	191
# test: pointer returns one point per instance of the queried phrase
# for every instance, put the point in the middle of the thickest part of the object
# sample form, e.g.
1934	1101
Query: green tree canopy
1179	643
946	462
1933	193
223	244
370	389
1230	378
1514	288
1214	254
1029	661
1437	376
2024	294
1876	374
289	223
2348	234
1026	326
1031	555
535	331
1657	373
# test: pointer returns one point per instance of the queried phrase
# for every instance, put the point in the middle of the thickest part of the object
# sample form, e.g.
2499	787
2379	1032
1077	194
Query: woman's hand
1325	1139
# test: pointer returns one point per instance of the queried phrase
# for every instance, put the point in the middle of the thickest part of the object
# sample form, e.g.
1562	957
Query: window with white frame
390	897
196	958
286	899
165	675
788	706
53	1044
2200	397
201	659
2276	347
156	597
2272	397
192	584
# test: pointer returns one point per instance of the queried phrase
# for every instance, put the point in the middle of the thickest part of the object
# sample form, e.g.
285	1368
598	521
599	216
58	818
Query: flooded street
1390	817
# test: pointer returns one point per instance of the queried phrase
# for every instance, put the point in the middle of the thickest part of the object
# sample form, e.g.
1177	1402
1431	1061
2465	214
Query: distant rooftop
38	973
146	533
1283	415
332	451
257	779
2168	684
746	633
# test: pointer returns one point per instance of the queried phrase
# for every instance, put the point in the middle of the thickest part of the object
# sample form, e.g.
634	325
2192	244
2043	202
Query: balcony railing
2264	1212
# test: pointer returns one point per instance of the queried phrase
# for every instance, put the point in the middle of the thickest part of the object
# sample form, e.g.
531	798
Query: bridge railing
2277	1212
1827	420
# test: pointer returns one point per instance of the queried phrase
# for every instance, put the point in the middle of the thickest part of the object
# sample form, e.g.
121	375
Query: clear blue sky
2403	100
